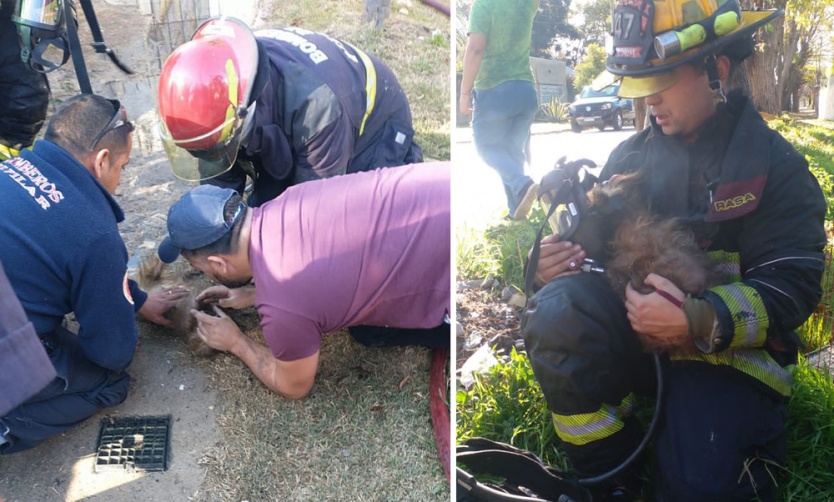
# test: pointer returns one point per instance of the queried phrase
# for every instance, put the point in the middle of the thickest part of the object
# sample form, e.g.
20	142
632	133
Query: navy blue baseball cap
196	220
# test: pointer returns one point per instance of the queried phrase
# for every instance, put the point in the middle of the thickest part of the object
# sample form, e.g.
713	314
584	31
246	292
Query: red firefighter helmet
204	91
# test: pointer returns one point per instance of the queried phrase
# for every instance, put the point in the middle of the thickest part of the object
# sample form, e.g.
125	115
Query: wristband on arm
702	324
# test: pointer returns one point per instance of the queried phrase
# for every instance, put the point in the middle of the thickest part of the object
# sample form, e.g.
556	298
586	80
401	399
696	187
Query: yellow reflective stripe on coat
370	86
727	264
748	312
756	363
584	428
6	153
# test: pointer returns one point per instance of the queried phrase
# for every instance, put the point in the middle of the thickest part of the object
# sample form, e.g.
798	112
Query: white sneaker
526	202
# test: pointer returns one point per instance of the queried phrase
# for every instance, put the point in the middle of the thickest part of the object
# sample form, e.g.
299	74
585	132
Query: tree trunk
640	114
377	11
770	64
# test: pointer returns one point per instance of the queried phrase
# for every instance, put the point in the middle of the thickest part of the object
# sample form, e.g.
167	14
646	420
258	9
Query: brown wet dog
618	232
150	276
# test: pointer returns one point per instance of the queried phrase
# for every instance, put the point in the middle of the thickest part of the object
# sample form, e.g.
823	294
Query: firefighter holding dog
752	202
281	106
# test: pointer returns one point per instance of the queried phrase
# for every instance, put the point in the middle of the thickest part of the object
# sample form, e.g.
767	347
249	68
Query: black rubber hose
648	437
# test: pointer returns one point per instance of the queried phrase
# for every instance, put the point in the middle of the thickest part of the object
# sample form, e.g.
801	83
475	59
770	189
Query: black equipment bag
526	478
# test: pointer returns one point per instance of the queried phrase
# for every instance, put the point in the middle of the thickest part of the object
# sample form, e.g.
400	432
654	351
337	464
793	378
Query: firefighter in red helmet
280	106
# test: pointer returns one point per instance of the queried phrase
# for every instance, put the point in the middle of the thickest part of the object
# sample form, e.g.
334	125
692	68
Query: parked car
600	109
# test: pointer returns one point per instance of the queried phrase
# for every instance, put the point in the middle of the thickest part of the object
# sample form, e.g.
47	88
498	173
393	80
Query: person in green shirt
497	88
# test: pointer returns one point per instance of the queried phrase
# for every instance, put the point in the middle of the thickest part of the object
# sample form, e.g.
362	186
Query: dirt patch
484	318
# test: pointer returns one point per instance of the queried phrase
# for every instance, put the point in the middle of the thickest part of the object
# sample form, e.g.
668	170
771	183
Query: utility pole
377	11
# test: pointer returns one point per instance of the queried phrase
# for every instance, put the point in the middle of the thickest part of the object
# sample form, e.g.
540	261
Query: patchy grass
507	404
807	475
500	251
356	437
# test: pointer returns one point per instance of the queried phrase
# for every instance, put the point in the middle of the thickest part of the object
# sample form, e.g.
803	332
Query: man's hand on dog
659	323
238	298
558	258
217	331
160	302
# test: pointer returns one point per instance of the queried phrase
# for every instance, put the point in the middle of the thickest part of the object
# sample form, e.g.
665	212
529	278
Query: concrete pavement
463	134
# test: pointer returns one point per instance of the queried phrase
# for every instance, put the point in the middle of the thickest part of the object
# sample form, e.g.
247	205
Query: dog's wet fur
621	235
150	276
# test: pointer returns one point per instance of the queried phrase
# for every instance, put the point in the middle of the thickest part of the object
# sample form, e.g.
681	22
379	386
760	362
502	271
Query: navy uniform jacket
62	251
310	109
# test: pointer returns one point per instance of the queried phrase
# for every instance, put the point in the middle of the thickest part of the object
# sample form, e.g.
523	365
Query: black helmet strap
714	80
32	54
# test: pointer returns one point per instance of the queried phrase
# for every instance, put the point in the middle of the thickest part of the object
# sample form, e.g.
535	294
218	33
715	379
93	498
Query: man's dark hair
75	125
230	242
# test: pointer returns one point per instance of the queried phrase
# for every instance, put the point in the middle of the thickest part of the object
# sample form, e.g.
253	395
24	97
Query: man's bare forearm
289	379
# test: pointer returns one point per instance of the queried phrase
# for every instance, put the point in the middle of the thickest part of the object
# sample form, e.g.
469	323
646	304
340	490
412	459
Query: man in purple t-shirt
370	248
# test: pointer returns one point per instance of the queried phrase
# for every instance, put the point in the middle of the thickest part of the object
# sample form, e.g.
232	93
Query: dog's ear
149	272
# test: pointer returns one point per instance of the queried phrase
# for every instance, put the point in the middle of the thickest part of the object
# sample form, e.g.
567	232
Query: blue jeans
80	390
501	120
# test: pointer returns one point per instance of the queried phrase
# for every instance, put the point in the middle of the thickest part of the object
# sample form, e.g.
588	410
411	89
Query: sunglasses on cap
119	119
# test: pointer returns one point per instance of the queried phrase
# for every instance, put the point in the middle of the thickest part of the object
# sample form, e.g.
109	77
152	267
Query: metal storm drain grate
133	443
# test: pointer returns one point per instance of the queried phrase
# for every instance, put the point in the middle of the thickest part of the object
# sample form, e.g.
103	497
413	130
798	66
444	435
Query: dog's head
607	205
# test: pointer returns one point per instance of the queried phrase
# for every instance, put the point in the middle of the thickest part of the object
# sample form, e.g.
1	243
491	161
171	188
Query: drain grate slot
133	443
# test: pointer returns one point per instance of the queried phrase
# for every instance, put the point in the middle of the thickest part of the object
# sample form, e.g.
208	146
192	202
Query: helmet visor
640	87
199	165
44	14
565	220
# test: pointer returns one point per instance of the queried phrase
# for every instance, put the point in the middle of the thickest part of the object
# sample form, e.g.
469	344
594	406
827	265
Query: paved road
477	195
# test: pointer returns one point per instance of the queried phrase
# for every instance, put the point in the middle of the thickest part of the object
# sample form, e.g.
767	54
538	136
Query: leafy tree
596	22
592	23
592	65
784	48
551	23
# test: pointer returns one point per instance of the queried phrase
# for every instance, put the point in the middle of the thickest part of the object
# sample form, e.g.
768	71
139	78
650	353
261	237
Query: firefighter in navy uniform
62	253
283	106
753	203
25	92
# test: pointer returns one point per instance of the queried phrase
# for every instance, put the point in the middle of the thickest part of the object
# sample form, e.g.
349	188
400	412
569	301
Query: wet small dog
618	232
150	276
